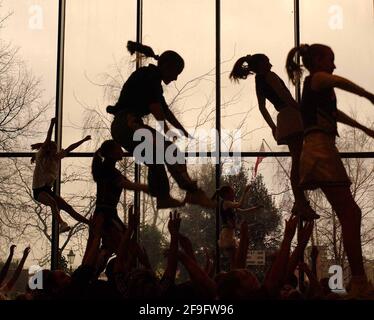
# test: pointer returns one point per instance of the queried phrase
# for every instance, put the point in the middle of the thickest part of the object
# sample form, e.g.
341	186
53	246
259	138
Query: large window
96	64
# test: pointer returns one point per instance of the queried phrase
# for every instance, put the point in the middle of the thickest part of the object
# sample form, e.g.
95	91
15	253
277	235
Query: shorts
47	189
111	218
227	238
289	125
320	162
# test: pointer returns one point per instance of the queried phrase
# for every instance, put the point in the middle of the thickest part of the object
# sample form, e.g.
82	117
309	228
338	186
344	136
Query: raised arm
172	259
5	269
10	284
275	276
123	250
315	288
74	146
244	196
343	118
186	245
50	130
169	116
37	146
128	185
305	234
324	80
158	112
198	277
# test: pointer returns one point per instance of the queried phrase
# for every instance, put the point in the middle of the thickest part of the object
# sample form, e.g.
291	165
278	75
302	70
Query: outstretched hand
12	247
87	138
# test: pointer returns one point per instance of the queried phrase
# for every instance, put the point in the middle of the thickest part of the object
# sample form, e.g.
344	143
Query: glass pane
96	65
192	96
28	42
334	23
249	28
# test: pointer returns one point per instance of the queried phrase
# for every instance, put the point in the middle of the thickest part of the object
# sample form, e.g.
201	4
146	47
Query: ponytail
308	54
240	69
294	70
247	65
147	51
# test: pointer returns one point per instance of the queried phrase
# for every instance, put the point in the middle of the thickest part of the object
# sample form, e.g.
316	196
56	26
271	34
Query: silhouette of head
315	57
258	63
170	63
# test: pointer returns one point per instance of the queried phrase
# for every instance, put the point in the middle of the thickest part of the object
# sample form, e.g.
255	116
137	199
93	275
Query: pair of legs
56	203
301	203
158	182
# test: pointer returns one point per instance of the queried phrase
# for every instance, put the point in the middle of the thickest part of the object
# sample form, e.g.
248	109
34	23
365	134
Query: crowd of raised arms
308	128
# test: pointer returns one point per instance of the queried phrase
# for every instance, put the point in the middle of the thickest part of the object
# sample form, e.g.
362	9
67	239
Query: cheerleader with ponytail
47	162
142	95
110	183
228	210
320	162
289	128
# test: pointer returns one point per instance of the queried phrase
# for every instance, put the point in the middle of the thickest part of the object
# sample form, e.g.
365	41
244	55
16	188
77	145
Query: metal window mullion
218	123
298	99
139	36
58	126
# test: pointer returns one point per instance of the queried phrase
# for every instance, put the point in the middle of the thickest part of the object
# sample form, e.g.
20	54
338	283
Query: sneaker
199	197
305	212
64	227
169	202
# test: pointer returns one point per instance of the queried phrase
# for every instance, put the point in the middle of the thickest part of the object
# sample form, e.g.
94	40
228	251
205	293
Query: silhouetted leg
349	215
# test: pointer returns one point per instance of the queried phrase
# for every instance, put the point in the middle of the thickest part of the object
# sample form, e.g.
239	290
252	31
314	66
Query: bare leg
349	215
295	148
62	204
49	201
302	206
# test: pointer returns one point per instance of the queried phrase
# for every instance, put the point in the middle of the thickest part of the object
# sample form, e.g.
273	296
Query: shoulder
61	154
323	80
273	79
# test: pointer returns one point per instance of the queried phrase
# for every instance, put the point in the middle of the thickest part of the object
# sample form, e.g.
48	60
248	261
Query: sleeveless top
318	109
108	191
268	92
227	215
141	89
